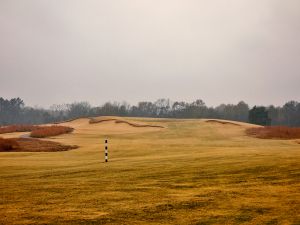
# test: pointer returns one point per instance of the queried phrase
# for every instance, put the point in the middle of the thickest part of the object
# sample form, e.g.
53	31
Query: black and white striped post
106	151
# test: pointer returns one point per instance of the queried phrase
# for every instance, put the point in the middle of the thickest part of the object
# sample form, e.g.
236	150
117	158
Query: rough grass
32	145
17	128
193	172
49	131
275	132
8	144
37	131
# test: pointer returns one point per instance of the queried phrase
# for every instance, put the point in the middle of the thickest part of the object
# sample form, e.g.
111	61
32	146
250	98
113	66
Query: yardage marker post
106	151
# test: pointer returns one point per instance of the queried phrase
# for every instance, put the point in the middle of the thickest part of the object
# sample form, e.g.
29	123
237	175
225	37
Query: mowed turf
190	172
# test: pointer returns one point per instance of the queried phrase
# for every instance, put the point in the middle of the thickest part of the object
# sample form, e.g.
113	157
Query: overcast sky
222	51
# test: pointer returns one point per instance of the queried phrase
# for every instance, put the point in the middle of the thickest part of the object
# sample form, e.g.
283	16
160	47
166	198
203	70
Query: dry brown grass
275	132
8	144
35	145
32	145
37	131
17	128
49	131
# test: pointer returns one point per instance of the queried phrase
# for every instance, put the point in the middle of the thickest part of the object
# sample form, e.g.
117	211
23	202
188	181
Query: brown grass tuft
8	144
275	132
32	145
37	131
17	128
50	131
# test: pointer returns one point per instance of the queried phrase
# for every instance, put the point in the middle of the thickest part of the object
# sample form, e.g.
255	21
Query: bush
48	131
275	132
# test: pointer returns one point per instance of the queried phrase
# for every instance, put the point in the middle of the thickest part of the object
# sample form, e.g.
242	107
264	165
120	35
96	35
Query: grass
275	132
192	172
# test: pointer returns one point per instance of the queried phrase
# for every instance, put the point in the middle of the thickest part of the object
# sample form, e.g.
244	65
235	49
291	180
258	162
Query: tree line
14	111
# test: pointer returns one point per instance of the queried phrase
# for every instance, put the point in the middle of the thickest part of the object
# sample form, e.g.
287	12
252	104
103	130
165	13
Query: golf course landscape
159	171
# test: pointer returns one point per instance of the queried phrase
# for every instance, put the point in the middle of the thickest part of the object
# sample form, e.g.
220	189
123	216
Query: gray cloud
220	51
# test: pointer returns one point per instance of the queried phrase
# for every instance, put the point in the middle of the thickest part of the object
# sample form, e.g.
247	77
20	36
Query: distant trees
259	115
288	114
147	109
78	109
291	112
10	110
237	112
14	111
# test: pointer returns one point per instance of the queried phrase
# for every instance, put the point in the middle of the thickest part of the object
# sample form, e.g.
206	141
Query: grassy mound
222	122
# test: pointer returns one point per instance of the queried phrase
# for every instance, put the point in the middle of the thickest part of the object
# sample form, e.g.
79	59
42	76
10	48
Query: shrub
275	132
48	131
